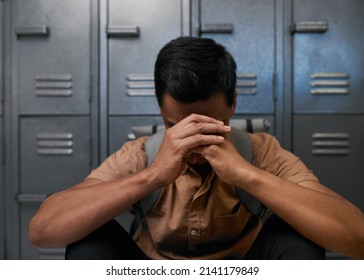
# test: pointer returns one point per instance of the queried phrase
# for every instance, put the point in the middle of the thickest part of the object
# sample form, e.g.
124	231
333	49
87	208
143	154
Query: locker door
137	29
2	180
53	56
1	56
2	191
332	146
247	29
54	155
328	56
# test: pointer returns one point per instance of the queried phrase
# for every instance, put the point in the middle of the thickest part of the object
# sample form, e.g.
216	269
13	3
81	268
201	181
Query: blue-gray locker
328	56
334	150
2	42
2	161
247	29
55	153
2	191
52	53
136	30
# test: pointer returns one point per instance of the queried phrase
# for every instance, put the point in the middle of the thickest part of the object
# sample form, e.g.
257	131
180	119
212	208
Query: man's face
216	107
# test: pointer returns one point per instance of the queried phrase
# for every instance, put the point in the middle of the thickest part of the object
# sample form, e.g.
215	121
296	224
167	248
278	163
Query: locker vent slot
330	84
140	85
57	85
246	83
326	144
54	144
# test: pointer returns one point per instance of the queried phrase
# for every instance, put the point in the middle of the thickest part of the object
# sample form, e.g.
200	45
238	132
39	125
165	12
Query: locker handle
123	31
31	197
310	27
217	28
37	31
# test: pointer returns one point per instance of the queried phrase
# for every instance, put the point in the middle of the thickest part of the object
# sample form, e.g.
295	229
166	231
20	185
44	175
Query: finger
203	128
196	118
191	143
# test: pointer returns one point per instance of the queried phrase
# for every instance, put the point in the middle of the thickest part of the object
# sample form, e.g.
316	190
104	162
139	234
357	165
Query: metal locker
328	56
247	29
52	56
54	155
332	146
54	152
136	31
2	191
2	160
2	42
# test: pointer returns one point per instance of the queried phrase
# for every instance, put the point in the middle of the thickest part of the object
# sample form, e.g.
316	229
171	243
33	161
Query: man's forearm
313	210
70	215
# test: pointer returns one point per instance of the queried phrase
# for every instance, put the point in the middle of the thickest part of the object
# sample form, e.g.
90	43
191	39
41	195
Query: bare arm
315	211
70	215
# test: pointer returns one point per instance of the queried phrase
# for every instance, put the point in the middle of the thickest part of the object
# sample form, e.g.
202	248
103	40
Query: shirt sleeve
128	160
271	157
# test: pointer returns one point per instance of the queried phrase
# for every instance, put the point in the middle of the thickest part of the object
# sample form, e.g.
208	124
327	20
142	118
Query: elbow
37	234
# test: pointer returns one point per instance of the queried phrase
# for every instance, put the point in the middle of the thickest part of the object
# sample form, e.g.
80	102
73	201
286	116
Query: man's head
193	69
195	75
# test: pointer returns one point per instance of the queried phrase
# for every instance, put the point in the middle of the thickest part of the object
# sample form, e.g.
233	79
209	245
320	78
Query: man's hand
180	140
227	163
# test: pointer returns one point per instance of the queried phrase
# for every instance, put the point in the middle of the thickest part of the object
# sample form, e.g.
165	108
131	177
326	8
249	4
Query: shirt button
193	232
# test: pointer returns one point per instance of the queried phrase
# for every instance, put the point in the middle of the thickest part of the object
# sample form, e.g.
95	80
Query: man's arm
70	215
315	211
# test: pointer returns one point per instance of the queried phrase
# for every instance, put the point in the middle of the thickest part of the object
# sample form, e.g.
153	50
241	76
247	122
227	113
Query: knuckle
199	138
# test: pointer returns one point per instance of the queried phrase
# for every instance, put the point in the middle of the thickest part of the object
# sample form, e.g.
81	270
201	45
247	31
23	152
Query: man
198	214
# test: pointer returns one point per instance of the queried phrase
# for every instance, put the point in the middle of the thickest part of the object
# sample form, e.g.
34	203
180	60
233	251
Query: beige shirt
201	219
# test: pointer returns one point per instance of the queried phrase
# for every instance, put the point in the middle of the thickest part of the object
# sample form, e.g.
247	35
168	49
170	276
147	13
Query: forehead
215	107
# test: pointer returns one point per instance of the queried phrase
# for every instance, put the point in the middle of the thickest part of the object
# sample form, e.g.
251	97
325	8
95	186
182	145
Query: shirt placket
194	216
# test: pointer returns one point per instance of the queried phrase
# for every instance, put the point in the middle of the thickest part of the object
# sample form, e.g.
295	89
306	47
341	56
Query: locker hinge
275	85
91	154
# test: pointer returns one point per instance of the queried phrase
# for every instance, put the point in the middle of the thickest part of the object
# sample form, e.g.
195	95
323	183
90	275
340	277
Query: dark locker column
2	136
52	93
328	63
247	29
136	31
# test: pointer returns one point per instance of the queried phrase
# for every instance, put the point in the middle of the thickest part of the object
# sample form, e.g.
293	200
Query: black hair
191	69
